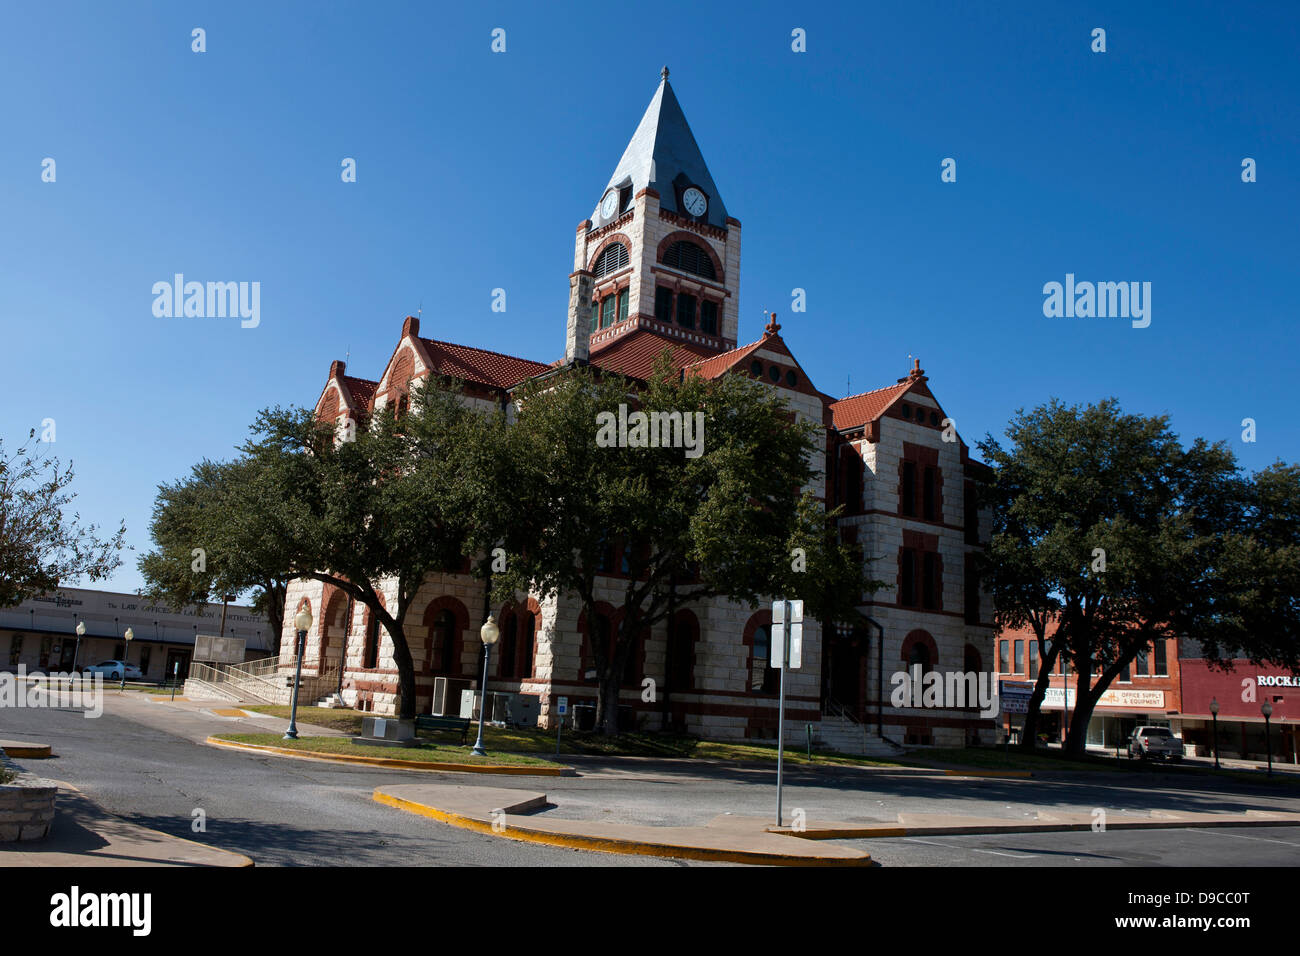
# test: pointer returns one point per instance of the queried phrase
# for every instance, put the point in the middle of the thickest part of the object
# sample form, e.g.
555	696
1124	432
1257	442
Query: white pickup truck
1157	743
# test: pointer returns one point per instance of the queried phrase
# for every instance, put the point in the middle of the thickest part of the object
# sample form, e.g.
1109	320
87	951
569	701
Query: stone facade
26	804
711	679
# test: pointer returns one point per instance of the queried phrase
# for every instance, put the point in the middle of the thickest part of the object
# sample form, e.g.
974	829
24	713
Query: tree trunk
1029	738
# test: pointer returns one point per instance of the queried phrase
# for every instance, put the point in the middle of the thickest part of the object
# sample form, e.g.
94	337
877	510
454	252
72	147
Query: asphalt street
146	762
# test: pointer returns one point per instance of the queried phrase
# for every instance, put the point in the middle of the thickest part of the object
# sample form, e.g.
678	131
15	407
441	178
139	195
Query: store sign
1131	699
1276	680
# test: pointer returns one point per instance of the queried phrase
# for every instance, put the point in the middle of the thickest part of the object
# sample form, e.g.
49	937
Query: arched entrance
845	671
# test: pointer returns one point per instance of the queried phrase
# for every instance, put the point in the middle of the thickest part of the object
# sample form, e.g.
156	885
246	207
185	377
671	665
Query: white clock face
695	202
609	203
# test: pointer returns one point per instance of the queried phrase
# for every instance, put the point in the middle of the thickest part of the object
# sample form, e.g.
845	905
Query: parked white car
113	670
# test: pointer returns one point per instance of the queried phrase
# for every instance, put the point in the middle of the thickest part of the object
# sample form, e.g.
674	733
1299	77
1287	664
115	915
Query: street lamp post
489	633
302	624
76	652
1267	710
126	655
1214	712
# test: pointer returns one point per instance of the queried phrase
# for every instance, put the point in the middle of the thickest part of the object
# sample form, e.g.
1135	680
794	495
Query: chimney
411	326
337	369
577	335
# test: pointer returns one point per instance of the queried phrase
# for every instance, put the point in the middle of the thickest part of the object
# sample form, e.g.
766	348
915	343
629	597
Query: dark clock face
694	202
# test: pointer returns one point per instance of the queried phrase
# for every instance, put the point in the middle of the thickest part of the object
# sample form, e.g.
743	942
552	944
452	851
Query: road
146	762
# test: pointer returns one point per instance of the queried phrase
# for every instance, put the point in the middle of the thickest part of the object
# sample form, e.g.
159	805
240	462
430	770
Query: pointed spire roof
663	155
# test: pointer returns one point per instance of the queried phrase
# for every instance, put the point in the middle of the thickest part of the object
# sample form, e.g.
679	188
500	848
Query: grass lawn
425	750
527	741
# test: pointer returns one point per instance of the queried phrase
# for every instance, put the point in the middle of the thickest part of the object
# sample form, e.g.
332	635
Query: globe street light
1267	710
489	633
1214	712
302	624
129	635
81	632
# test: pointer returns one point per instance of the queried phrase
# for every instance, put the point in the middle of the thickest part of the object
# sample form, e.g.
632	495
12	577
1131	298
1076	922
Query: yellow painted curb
388	762
611	844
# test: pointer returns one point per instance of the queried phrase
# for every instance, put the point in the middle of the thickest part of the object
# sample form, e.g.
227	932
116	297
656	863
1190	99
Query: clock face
695	202
609	203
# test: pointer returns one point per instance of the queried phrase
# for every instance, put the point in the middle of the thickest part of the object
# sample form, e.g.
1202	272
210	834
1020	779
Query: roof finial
663	74
772	327
916	369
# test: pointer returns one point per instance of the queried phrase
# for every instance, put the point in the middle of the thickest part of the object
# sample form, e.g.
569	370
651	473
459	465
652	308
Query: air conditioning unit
446	695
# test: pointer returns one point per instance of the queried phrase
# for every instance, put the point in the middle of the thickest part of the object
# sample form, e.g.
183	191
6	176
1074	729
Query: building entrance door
847	667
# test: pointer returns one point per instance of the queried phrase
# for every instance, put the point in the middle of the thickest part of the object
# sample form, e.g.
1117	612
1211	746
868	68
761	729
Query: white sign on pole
787	636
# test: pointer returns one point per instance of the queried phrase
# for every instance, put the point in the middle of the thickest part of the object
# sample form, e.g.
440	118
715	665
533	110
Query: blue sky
474	168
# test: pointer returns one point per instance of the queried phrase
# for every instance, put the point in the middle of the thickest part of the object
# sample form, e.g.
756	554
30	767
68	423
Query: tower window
625	198
622	305
691	258
686	311
908	504
607	311
595	315
663	304
709	317
614	257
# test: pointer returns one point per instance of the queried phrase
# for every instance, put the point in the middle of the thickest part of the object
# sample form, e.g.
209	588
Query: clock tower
659	252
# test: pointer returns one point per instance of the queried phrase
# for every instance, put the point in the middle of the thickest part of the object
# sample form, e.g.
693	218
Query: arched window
613	257
527	643
509	644
920	654
690	257
681	651
370	653
762	676
444	642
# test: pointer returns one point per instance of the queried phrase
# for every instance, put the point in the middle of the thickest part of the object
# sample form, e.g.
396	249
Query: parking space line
1241	836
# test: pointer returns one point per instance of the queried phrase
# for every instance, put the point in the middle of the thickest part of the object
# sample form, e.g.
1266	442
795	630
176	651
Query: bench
454	724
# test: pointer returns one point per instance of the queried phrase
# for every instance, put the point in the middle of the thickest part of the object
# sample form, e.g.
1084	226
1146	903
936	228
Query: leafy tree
370	515
1108	535
202	550
40	547
724	523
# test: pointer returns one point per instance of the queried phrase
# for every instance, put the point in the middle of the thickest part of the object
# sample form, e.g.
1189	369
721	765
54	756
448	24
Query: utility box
467	699
386	732
447	696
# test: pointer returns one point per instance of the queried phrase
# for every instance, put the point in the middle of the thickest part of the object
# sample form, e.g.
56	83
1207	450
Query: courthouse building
656	267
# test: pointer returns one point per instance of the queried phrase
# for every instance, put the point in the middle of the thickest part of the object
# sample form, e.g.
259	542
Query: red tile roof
479	365
858	410
717	365
634	353
362	390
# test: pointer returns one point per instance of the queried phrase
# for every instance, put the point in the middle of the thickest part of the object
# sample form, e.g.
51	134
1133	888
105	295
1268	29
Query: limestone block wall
26	804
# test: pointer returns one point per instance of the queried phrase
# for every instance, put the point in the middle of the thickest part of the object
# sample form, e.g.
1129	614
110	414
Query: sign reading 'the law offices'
1130	699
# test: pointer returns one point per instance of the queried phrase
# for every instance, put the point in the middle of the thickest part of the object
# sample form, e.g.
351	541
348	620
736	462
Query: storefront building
1148	693
1241	694
41	633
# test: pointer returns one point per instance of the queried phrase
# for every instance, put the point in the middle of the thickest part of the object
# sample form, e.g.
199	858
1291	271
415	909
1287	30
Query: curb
15	749
611	844
389	763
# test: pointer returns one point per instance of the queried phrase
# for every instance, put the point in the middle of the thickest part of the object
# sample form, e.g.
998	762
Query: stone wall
26	804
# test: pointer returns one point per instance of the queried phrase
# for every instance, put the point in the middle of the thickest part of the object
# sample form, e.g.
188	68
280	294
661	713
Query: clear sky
474	168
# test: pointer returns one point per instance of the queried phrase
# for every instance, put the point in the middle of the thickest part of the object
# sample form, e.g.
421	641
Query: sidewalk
86	835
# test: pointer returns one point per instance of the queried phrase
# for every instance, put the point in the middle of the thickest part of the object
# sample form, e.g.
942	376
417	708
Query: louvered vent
614	257
691	258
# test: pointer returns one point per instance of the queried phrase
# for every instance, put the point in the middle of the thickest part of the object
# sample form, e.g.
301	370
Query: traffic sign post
787	652
561	708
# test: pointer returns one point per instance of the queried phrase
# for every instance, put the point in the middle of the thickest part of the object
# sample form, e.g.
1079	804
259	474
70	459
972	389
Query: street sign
562	706
1014	696
787	636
